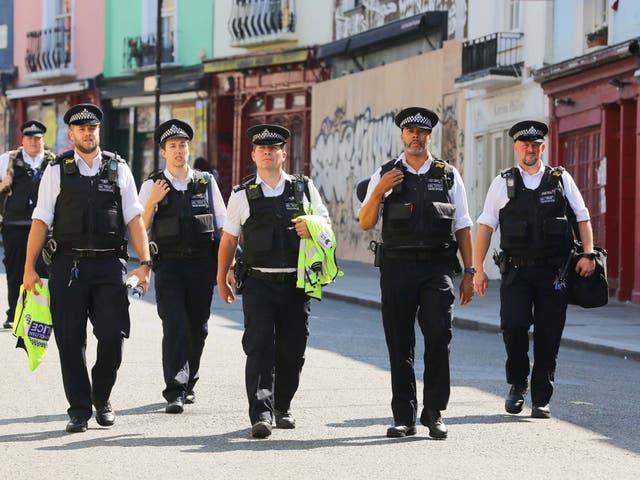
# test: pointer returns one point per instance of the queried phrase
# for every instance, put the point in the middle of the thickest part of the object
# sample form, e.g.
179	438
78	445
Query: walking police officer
20	172
89	198
530	203
276	313
183	208
425	220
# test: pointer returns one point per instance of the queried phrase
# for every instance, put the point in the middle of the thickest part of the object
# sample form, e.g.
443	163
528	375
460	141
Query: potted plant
598	37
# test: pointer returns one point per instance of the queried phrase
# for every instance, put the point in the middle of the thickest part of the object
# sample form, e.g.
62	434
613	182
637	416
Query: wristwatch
470	270
590	256
148	263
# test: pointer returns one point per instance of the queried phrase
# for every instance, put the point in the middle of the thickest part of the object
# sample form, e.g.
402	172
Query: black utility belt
90	253
419	255
536	261
185	254
278	277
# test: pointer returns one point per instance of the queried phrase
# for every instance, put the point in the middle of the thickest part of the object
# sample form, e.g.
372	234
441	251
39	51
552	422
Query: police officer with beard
276	313
425	220
530	203
89	197
183	208
20	172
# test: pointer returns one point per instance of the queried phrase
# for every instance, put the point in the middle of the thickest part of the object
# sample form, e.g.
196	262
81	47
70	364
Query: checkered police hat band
83	115
417	119
267	135
529	132
173	132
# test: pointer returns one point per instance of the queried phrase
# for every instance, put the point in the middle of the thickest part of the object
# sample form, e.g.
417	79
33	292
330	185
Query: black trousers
99	294
426	288
184	290
276	328
528	297
14	240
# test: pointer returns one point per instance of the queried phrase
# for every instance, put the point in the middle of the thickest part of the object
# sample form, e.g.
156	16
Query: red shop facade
594	132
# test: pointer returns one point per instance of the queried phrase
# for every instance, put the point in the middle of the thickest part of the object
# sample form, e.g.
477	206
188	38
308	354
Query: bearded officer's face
528	153
415	140
85	138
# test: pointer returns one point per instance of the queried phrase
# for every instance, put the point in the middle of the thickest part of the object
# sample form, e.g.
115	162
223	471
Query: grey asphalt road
342	409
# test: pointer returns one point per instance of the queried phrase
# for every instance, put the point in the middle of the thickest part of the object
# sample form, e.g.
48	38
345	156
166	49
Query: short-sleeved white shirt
497	196
50	188
182	185
34	163
457	192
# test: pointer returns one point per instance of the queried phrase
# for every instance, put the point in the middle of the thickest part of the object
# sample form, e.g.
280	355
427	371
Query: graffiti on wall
375	13
452	141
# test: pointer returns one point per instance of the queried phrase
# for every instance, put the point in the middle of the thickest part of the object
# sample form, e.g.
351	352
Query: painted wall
88	35
564	33
6	42
314	26
625	23
353	133
117	28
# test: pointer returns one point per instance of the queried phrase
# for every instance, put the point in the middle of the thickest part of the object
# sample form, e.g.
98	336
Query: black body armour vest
183	225
88	212
420	213
533	223
24	191
270	240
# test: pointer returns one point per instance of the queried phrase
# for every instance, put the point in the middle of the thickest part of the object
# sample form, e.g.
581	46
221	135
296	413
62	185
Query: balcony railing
48	51
255	22
140	52
500	51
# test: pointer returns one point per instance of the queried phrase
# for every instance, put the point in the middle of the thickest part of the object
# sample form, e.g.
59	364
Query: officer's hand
225	291
390	179
480	282
301	228
29	280
159	190
143	272
466	289
585	267
231	278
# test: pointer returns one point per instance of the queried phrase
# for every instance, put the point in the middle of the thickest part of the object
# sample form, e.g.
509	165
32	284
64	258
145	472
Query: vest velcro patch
547	197
198	202
106	186
435	185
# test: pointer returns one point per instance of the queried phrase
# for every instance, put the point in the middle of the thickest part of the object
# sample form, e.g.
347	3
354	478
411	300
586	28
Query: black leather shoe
7	324
285	420
76	425
190	398
261	429
399	430
176	406
543	411
515	399
105	415
432	419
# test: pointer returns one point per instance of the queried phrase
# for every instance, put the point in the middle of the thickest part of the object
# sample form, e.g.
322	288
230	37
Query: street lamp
156	159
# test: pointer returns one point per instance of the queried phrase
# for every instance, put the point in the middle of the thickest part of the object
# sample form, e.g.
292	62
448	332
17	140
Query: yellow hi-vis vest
32	323
317	257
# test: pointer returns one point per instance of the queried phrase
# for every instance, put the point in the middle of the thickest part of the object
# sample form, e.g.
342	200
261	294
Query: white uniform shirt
34	163
218	203
497	196
238	208
50	188
457	192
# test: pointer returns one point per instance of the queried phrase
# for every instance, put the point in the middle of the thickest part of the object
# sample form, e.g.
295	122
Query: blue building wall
6	22
564	32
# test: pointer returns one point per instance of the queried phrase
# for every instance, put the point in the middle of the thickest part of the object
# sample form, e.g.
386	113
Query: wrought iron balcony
255	22
49	53
140	52
498	54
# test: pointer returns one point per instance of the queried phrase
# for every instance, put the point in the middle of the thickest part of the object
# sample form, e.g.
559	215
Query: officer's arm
226	252
463	237
586	267
140	242
483	240
37	237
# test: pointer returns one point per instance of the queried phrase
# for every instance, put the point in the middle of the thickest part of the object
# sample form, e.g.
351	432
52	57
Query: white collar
173	179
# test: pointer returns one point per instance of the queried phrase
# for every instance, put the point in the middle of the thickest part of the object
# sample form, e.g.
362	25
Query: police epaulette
554	175
110	155
507	171
246	181
63	156
156	175
386	167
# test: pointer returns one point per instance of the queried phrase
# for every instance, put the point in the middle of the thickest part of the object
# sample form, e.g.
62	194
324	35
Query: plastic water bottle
136	290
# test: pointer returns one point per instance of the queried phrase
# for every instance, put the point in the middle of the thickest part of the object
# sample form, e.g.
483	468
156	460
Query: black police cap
267	134
529	131
83	114
173	128
416	117
33	128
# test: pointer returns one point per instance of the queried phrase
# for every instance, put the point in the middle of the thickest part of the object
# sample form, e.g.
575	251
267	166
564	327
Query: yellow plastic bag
32	323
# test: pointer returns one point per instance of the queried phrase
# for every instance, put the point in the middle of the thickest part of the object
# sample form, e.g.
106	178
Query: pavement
613	329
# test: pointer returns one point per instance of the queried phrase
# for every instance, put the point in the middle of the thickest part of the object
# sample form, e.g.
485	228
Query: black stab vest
88	211
534	223
184	223
420	212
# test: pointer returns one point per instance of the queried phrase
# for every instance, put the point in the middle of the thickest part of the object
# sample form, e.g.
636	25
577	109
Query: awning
48	90
171	82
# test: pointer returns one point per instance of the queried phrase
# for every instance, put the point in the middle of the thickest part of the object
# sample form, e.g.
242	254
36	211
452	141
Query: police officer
20	172
89	198
530	203
425	220
182	207
276	313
